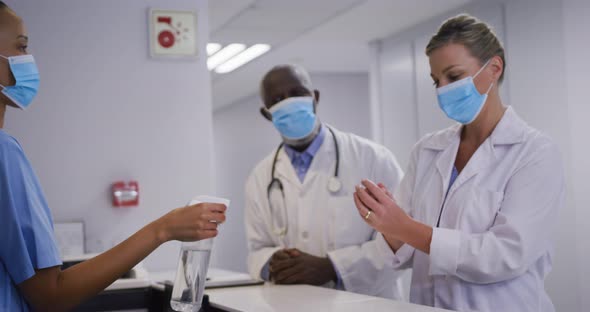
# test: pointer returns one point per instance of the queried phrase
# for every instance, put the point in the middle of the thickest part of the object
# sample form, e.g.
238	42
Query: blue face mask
461	101
294	117
26	74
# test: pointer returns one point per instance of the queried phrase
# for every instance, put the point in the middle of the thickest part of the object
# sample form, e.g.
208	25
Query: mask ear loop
490	88
484	66
480	70
2	56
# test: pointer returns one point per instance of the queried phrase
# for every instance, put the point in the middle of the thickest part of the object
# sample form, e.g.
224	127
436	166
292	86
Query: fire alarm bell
125	194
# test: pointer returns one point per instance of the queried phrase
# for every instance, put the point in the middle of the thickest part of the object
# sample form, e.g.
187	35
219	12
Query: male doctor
301	222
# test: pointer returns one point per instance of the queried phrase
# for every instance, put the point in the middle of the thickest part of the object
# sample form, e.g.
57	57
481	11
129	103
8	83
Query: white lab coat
493	248
319	222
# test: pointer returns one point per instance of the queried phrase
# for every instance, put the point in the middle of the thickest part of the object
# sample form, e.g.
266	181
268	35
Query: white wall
393	97
106	111
537	86
577	69
243	138
538	83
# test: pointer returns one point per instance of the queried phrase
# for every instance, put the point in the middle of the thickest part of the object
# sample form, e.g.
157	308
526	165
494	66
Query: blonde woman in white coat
474	213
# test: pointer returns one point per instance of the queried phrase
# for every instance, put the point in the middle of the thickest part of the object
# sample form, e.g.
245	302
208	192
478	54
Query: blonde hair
475	35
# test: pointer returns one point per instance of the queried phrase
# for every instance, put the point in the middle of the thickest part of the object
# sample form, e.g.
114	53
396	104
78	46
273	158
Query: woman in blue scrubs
30	274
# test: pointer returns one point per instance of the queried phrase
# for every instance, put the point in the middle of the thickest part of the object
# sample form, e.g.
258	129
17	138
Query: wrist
401	229
417	234
394	243
407	226
160	231
330	269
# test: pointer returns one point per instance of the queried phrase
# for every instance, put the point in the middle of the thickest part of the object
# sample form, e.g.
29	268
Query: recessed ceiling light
224	55
242	58
212	48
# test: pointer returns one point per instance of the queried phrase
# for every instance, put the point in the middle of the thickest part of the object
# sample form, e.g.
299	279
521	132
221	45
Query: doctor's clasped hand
292	266
300	220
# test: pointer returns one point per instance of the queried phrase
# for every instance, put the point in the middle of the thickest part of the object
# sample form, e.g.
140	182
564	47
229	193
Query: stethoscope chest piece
334	185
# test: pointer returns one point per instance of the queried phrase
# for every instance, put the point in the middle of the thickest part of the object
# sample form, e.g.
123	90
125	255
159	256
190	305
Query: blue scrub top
27	240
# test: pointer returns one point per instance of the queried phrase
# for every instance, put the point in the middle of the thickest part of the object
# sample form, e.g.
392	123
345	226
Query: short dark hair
3	5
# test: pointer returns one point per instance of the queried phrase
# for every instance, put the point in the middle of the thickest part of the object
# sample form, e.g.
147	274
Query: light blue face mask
294	117
461	101
25	72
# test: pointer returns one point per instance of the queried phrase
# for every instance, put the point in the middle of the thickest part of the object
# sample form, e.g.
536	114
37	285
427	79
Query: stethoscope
334	184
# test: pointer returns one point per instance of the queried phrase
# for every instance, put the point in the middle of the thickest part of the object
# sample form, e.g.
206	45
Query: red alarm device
125	194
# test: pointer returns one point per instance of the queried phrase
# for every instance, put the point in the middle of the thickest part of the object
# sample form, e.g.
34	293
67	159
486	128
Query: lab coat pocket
480	213
349	228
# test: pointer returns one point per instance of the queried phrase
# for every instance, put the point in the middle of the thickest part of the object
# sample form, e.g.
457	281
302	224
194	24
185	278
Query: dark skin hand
292	266
52	289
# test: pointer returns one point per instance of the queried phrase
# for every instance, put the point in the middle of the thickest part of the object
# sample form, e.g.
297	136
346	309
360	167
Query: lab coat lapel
482	159
286	172
324	158
510	130
445	163
447	146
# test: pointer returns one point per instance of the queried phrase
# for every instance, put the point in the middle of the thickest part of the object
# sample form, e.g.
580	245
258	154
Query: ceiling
322	35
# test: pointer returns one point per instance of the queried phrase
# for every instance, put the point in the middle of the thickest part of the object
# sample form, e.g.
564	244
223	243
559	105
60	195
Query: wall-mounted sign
173	33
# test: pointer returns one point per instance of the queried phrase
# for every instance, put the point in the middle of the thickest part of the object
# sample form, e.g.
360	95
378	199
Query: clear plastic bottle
193	263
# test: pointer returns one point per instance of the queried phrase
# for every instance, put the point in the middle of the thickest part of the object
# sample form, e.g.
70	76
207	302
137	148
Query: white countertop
270	297
215	278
